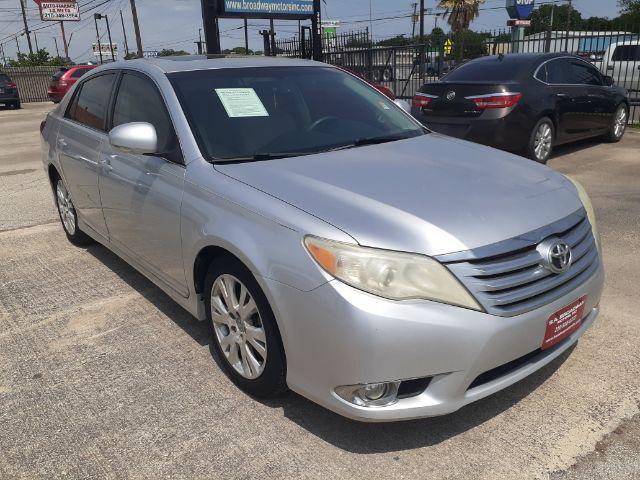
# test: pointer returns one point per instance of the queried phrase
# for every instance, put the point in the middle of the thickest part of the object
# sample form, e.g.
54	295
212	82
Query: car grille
508	279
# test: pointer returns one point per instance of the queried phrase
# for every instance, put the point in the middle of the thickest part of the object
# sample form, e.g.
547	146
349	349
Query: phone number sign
65	11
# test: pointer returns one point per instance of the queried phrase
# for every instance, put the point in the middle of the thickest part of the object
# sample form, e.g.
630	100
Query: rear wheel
68	215
541	140
246	341
17	105
618	125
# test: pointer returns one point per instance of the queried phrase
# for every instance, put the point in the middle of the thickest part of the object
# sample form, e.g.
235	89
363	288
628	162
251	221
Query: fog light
370	394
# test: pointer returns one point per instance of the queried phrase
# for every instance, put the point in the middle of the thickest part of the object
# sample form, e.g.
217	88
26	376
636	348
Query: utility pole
199	43
421	21
95	19
113	57
64	41
246	37
55	40
272	36
4	60
26	26
136	27
371	20
124	33
35	37
414	20
547	47
18	45
569	11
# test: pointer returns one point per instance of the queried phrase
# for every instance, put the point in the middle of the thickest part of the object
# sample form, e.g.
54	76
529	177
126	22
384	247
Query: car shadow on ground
346	434
578	146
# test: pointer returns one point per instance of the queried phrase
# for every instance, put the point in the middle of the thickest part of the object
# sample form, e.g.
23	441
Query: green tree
169	52
629	6
39	58
541	18
397	41
460	13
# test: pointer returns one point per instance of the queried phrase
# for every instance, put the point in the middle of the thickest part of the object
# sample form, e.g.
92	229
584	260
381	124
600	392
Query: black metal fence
32	81
405	68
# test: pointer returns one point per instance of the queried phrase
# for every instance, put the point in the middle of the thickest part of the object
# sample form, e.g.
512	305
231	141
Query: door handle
105	161
62	143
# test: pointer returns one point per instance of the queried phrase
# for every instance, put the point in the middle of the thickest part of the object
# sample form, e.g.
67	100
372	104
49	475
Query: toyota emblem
451	95
556	255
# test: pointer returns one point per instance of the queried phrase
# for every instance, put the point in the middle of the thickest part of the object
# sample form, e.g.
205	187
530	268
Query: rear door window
626	53
559	71
79	72
584	74
89	105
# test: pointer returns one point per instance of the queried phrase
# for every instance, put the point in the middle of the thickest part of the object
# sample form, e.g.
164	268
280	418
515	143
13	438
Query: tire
376	75
262	377
17	105
541	140
387	75
68	216
618	124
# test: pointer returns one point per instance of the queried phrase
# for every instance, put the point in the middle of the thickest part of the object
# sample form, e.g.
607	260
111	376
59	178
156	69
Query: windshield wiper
258	157
361	142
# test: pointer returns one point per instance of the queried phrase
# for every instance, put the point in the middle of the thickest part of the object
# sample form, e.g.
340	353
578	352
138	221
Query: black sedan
8	91
524	103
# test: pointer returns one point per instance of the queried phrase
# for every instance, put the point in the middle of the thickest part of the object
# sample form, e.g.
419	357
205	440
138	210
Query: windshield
262	113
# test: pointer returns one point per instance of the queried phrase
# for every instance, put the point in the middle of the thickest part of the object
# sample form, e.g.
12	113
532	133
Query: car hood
431	194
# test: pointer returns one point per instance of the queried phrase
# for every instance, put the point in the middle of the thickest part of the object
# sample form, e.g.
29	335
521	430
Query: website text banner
267	8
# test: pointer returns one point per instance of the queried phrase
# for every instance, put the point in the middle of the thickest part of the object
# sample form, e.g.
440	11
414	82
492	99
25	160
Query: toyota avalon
334	245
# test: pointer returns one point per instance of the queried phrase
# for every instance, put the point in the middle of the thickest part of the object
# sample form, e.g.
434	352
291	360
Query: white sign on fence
64	11
105	49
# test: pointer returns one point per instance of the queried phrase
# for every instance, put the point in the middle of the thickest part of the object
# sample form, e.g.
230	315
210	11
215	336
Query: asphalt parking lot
103	376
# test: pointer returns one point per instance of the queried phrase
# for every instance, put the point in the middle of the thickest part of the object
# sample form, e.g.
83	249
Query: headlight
586	202
389	274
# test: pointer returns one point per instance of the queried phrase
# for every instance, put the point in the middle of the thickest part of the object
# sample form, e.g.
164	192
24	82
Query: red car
63	79
381	88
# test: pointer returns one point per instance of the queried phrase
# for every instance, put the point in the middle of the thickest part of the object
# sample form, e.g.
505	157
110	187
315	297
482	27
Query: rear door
141	195
81	136
571	100
599	104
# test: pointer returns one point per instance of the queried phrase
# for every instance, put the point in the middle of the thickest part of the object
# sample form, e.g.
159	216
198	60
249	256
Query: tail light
422	100
496	100
12	85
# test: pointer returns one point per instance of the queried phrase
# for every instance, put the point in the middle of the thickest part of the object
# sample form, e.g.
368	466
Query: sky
175	23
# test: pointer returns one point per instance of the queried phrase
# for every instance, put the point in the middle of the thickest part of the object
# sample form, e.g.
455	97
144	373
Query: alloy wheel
620	122
66	209
542	142
238	326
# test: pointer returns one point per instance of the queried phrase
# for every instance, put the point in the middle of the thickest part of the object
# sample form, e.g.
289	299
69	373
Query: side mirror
608	81
135	137
403	104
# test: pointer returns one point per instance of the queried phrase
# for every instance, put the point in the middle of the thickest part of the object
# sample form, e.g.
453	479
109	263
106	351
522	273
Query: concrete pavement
103	376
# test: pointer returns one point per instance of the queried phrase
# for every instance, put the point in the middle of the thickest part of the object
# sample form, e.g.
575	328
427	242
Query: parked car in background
64	79
524	103
334	244
621	61
9	95
381	88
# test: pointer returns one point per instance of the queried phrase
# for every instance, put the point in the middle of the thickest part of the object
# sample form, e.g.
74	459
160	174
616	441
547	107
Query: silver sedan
335	246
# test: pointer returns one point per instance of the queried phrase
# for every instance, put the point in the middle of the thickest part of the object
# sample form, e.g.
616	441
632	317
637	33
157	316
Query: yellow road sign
448	46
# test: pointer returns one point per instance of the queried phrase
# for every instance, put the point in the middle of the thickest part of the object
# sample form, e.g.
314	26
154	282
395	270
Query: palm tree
460	13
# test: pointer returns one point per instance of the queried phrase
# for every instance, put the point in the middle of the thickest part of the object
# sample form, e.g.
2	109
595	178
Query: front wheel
618	125
246	341
541	141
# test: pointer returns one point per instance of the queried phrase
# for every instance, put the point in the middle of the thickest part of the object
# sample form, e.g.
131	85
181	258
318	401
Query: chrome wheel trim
238	326
543	141
620	122
66	209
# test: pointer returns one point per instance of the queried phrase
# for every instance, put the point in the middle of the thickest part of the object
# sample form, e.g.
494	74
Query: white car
621	61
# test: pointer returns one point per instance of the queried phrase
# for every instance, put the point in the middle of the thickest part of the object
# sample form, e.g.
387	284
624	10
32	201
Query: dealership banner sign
61	11
266	8
520	9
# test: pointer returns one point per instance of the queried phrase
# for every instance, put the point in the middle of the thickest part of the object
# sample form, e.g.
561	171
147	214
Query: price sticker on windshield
241	102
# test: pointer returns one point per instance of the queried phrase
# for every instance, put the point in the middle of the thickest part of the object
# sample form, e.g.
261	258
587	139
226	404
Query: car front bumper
336	335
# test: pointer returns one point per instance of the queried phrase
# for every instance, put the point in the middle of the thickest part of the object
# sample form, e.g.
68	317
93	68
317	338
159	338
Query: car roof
189	63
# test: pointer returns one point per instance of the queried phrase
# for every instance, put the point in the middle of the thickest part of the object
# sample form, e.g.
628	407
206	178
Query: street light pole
26	26
95	19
